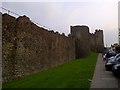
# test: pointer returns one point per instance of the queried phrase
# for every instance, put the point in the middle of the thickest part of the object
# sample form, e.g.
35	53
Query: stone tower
93	42
99	40
82	38
86	42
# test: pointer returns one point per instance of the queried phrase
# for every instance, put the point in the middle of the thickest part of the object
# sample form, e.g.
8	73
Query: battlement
78	28
98	31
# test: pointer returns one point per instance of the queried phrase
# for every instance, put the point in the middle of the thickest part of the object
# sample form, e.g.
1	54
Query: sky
59	15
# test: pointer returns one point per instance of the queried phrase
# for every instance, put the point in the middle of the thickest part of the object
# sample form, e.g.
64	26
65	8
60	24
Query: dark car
116	70
110	63
113	57
108	55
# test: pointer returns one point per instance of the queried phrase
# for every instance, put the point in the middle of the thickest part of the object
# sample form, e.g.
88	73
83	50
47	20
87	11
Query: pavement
103	78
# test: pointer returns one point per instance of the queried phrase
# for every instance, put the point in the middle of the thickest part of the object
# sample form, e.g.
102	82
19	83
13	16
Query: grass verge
74	74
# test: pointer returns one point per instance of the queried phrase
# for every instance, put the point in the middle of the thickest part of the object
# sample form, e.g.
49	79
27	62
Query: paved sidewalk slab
103	78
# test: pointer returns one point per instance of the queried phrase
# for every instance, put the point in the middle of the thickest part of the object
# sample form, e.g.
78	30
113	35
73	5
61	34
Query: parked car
108	55
113	57
116	70
113	61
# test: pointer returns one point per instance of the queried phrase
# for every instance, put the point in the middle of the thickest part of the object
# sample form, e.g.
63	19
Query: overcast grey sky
60	15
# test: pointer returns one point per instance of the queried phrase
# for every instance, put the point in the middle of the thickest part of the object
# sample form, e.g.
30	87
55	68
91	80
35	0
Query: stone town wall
85	42
8	47
28	48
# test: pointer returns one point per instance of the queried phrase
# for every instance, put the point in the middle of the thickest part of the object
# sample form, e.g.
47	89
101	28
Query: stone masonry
86	42
28	48
82	45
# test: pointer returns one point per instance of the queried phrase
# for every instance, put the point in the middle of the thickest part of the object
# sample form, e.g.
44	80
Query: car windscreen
118	59
118	55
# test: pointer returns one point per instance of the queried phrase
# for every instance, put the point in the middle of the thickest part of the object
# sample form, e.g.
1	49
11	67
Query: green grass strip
74	74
